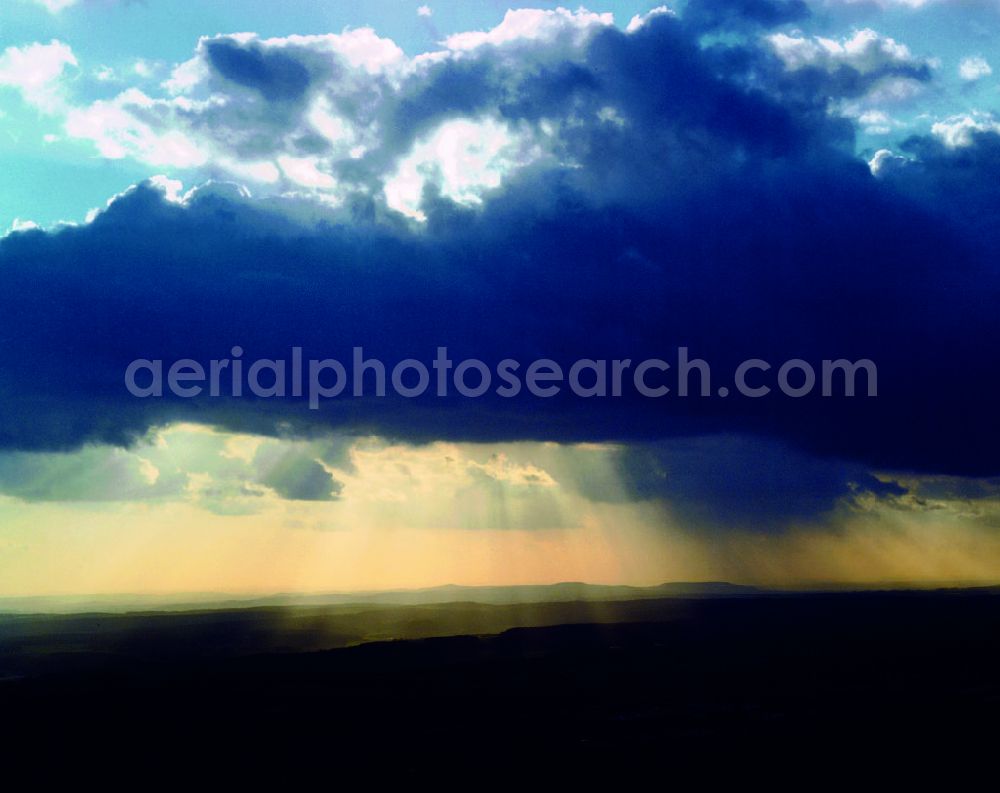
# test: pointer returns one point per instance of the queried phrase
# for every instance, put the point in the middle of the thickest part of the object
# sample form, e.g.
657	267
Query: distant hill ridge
449	593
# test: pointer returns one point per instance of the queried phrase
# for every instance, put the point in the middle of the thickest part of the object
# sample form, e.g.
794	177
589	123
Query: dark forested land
852	686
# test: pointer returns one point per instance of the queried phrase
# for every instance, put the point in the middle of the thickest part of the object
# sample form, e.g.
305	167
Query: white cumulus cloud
35	70
465	157
957	132
639	20
294	114
127	126
532	24
865	51
974	68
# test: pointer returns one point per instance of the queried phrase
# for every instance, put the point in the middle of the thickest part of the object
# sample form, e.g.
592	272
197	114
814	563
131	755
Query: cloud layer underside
717	205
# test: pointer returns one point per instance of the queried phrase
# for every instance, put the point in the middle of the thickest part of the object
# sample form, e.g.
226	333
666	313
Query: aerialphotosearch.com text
321	379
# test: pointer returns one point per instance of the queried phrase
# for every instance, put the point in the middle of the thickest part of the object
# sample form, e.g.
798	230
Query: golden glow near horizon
196	510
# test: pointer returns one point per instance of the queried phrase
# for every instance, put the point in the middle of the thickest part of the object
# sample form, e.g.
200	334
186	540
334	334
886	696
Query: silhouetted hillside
871	686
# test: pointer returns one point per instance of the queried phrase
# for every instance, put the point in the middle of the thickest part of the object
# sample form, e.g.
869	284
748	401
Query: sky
774	180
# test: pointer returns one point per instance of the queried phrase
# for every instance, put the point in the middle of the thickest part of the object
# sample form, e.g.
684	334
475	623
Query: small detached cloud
55	6
974	68
35	70
876	122
424	11
143	68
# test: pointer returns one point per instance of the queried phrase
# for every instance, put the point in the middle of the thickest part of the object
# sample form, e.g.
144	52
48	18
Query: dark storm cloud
707	15
727	213
740	482
295	476
959	183
277	76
